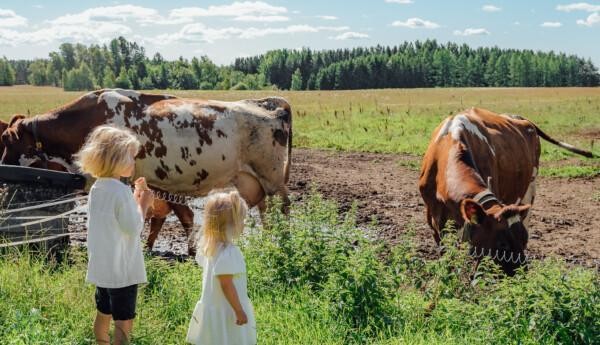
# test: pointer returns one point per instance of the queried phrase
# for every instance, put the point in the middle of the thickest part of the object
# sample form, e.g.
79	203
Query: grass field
314	278
395	120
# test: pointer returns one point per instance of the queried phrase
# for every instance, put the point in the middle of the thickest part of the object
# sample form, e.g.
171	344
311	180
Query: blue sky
224	30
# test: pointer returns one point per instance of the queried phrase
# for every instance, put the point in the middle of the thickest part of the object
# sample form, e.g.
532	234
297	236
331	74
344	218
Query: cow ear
472	212
15	118
11	133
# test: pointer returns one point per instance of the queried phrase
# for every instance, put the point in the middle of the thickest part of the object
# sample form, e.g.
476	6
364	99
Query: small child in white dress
224	314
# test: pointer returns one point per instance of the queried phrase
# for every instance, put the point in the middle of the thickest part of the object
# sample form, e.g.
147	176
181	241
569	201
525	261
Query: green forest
125	64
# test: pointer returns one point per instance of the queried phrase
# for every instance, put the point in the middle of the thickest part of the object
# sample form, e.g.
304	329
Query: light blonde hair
224	214
106	150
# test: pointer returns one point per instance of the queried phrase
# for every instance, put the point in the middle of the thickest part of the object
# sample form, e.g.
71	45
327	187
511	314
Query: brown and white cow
189	146
478	167
40	159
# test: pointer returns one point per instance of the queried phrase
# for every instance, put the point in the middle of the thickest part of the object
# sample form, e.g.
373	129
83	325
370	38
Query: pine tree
109	78
7	73
297	80
122	80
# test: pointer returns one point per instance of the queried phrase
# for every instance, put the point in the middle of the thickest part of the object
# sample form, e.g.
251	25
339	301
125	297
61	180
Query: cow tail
566	146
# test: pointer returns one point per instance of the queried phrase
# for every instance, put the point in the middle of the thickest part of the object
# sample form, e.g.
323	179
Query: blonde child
224	313
115	222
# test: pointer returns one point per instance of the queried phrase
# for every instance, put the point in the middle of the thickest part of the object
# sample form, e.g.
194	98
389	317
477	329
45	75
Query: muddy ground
565	218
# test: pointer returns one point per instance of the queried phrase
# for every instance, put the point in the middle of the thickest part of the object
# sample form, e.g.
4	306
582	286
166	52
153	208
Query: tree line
124	64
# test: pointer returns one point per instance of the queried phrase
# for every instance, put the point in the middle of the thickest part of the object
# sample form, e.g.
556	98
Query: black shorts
120	303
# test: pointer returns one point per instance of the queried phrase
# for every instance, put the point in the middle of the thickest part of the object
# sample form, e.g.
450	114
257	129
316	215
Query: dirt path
565	219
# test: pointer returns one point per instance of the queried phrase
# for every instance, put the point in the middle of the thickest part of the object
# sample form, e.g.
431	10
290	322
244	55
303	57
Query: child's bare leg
122	331
101	327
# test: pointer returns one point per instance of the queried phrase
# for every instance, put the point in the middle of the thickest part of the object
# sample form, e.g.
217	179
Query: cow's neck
465	182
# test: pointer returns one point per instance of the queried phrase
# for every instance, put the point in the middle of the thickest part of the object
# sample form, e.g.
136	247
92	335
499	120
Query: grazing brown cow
189	146
478	167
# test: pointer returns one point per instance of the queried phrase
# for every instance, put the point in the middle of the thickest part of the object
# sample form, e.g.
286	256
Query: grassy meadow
315	278
396	120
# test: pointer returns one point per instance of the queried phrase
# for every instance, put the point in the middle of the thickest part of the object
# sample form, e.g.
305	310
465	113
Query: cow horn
518	202
489	182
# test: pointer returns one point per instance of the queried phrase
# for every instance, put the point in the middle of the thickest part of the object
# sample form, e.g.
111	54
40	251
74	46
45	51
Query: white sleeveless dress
213	319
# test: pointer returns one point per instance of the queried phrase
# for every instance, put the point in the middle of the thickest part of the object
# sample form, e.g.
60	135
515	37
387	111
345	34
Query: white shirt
115	257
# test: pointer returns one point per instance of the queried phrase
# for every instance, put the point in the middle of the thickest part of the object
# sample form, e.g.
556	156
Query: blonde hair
106	150
224	215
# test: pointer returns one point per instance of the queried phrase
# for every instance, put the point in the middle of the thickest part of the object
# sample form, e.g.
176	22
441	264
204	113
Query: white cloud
416	23
592	20
9	19
328	17
471	32
98	32
403	2
236	10
580	6
198	32
349	35
551	24
491	8
119	13
263	19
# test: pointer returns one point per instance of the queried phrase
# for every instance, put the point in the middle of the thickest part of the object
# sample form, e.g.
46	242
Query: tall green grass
316	278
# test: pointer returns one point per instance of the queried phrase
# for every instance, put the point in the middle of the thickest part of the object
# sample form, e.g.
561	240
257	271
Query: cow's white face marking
461	122
28	161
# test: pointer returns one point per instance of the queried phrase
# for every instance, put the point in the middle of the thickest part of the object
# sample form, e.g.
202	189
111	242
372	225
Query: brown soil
565	220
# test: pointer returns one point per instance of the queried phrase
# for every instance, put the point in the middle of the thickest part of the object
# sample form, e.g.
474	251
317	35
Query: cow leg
529	197
431	222
186	217
160	210
285	199
155	226
438	219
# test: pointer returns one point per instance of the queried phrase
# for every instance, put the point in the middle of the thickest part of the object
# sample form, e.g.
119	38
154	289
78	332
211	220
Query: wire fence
522	258
477	253
172	198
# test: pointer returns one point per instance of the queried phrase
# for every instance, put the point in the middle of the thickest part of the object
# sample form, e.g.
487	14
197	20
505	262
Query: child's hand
241	318
146	199
140	184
